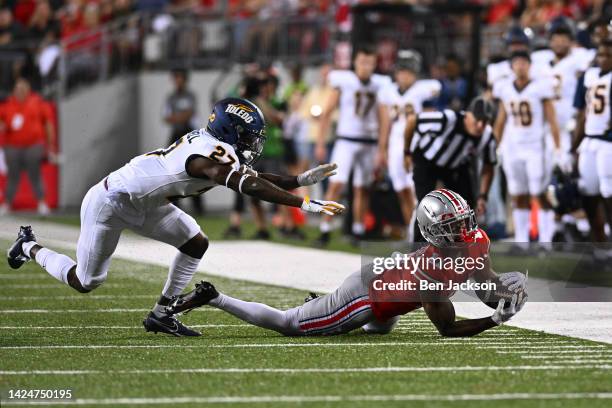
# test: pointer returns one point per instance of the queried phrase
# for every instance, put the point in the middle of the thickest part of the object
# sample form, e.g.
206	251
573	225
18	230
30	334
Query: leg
516	175
258	314
32	160
604	173
425	179
362	179
343	155
589	187
172	226
377	327
346	309
14	160
539	173
100	232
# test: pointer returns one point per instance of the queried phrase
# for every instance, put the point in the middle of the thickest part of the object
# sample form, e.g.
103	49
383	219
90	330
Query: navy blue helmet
561	25
517	35
239	123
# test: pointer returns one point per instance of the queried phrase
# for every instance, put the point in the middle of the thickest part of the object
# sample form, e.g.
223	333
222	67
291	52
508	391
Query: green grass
139	284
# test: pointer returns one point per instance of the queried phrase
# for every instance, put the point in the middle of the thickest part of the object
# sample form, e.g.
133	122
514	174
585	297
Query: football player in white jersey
516	39
525	106
137	197
565	64
593	139
396	102
355	148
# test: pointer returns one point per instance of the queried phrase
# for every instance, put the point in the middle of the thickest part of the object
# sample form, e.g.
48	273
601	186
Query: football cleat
15	255
203	293
169	325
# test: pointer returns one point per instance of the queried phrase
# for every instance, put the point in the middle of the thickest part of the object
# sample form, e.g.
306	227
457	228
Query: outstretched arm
442	315
225	175
309	177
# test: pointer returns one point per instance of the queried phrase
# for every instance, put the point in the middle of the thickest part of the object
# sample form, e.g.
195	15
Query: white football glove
244	169
514	281
320	206
565	161
319	173
502	314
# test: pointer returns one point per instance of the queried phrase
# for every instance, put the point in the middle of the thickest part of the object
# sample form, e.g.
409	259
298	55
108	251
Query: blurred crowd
101	37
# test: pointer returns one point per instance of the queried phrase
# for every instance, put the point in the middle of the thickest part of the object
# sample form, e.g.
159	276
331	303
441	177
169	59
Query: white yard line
321	271
298	399
252	345
309	370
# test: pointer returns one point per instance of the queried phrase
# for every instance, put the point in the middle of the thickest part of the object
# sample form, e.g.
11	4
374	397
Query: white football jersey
357	106
410	101
499	71
564	73
154	178
524	109
597	120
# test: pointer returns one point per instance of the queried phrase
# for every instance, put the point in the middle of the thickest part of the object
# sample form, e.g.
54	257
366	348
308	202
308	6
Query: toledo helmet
241	124
444	218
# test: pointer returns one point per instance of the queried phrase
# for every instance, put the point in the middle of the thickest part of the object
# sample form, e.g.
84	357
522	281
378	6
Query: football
491	297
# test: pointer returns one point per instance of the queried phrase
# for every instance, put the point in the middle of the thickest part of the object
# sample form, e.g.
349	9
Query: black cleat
263	235
169	325
15	255
311	296
232	232
203	293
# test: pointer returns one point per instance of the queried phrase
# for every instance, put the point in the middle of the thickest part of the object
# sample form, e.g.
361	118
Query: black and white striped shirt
440	138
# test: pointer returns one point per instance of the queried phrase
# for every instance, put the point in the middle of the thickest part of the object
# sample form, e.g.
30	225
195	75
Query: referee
446	146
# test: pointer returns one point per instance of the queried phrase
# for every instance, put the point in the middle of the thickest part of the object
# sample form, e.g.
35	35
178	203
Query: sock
358	228
521	224
325	227
181	271
57	265
27	246
546	225
257	314
159	310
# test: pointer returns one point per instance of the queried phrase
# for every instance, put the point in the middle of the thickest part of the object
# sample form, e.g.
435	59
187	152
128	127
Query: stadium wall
99	132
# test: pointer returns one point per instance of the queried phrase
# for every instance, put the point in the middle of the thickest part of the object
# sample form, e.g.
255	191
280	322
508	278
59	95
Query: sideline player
526	105
396	103
593	140
137	197
565	63
449	225
355	148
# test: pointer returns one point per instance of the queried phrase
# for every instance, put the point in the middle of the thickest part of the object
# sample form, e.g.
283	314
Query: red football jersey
398	291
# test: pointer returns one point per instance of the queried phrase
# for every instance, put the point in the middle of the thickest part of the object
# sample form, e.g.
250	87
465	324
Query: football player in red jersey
373	299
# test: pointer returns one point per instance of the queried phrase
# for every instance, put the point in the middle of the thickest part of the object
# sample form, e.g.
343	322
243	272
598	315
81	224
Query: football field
95	346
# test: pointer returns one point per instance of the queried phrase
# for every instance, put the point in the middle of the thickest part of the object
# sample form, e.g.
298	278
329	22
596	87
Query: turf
111	317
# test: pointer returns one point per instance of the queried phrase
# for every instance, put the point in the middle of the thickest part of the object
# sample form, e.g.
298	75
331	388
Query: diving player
396	102
137	197
449	225
525	106
356	135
